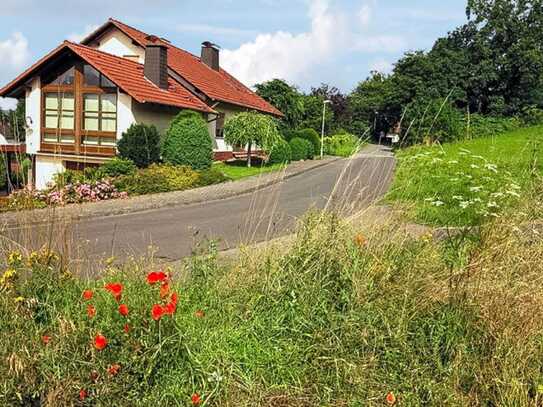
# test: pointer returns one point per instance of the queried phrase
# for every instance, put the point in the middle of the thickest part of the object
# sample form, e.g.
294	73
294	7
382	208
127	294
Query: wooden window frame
78	89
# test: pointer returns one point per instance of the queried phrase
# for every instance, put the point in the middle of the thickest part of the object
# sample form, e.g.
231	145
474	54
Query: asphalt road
345	185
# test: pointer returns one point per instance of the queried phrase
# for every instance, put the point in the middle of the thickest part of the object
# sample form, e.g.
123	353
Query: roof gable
127	75
216	85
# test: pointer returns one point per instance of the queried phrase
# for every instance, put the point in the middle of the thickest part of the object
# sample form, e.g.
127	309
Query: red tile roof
217	85
126	74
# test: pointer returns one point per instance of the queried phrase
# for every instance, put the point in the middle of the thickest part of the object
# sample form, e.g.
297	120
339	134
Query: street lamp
322	132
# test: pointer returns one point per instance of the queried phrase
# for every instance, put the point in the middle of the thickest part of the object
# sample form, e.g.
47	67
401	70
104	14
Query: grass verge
239	169
465	183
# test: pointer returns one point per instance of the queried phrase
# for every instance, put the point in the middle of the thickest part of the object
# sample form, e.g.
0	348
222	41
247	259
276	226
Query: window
59	111
219	126
94	78
100	112
67	78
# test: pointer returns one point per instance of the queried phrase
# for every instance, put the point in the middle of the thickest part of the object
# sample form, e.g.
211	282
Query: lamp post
322	132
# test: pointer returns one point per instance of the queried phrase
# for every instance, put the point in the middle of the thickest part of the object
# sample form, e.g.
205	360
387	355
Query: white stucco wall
32	106
125	116
159	116
46	168
117	43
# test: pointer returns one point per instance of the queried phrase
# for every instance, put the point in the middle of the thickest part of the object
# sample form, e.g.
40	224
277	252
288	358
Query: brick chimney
210	55
156	62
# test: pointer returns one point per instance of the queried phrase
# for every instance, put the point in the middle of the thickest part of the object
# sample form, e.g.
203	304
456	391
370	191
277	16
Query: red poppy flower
114	369
156	276
116	289
196	399
164	290
91	311
391	399
87	294
169	308
82	394
199	314
100	342
45	339
123	310
126	328
157	312
174	298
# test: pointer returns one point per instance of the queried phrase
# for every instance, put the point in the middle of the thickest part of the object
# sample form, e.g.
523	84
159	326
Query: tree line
487	72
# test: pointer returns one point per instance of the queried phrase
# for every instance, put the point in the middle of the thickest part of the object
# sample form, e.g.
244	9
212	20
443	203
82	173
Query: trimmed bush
313	137
118	166
140	144
211	176
158	178
187	142
280	153
300	149
342	145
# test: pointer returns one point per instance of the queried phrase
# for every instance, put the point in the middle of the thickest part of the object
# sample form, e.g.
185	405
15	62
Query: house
80	98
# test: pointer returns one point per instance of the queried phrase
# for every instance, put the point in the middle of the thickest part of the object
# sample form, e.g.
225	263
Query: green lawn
465	183
240	170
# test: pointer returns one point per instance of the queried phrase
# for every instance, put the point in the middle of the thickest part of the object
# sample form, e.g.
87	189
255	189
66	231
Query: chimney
156	62
210	55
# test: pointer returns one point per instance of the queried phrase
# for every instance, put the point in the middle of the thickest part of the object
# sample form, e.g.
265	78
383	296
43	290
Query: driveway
345	185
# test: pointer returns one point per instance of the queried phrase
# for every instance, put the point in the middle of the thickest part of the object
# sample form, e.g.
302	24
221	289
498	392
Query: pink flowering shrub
77	192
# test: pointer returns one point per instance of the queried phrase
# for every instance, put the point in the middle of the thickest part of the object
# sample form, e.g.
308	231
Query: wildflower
157	312
126	328
87	295
164	290
156	276
14	258
196	399
174	298
100	342
390	399
458	197
91	311
19	300
45	339
114	369
116	289
360	240
123	310
438	203
82	394
476	189
199	314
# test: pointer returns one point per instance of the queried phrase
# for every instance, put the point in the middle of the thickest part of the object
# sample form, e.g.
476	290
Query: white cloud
382	66
14	56
14	51
297	56
78	37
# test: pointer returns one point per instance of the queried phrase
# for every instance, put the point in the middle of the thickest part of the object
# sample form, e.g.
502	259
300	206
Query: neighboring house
80	98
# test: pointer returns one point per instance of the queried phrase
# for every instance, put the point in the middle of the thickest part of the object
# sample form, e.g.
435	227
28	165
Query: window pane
67	139
51	101
91	123
68	101
91	140
67	78
108	142
91	103
109	103
106	83
67	121
50	138
109	124
92	76
51	120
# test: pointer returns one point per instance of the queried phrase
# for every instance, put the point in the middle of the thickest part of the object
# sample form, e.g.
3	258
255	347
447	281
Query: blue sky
305	42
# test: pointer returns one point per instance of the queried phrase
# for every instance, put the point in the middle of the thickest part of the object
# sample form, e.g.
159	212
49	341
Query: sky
305	42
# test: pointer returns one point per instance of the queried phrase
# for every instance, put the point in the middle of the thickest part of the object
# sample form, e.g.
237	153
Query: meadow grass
466	182
238	170
317	324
